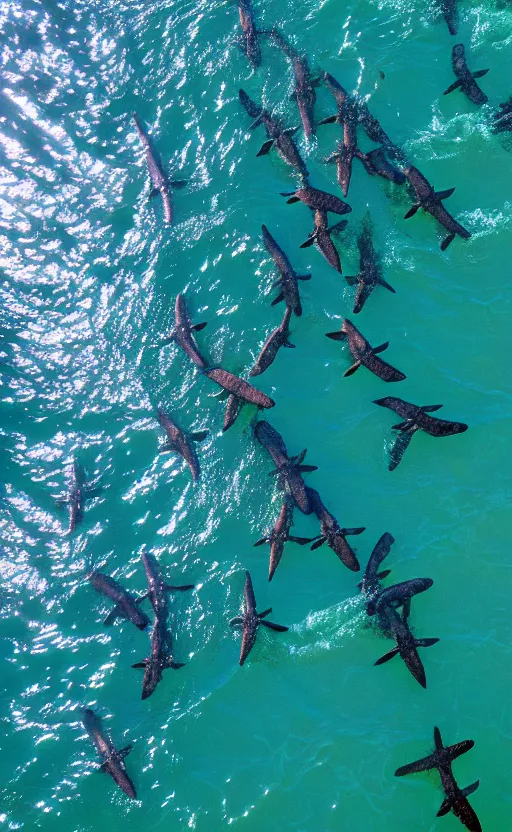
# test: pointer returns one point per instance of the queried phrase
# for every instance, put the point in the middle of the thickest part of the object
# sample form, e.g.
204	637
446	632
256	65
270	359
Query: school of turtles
388	606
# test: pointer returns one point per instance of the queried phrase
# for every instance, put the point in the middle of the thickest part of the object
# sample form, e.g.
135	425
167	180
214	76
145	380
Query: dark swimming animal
160	659
466	79
161	656
158	588
113	760
370	586
251	620
399	595
304	93
376	163
288	281
161	184
407	645
76	498
278	137
432	202
502	118
126	606
280	534
370	274
332	533
238	386
351	109
181	443
449	11
349	115
233	407
278	338
250	32
240	391
416	418
384	602
318	200
456	800
321	237
289	470
365	354
375	132
347	109
78	493
343	158
182	332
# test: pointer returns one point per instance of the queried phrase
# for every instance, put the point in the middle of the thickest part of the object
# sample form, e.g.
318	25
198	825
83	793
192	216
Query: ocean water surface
308	734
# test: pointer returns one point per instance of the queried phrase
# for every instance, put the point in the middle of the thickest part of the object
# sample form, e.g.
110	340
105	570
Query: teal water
308	734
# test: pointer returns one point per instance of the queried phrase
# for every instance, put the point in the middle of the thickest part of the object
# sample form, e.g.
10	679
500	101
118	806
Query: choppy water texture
308	734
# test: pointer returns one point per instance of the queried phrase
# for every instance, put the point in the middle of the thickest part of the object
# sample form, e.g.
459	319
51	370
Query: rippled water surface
308	734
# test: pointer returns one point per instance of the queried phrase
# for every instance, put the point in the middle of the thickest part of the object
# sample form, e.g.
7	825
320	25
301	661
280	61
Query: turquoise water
308	734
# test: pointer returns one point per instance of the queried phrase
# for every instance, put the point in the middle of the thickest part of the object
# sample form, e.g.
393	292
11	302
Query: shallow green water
308	734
